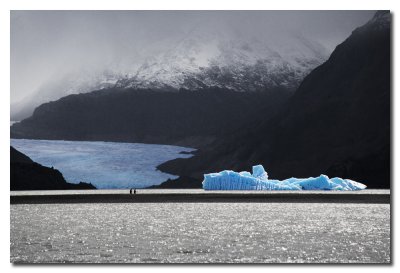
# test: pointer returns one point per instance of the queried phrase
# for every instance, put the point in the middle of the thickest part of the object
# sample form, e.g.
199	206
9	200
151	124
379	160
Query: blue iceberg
230	180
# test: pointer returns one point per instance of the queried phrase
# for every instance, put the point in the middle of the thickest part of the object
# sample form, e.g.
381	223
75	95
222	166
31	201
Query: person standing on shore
130	191
134	191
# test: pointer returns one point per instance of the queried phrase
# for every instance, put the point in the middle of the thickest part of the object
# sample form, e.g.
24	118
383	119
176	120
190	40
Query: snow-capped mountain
241	65
198	60
348	95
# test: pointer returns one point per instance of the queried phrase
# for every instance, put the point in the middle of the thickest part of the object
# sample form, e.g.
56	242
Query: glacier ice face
230	180
107	165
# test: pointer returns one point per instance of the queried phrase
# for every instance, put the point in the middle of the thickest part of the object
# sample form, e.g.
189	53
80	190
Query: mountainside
26	174
337	123
73	83
198	61
203	61
186	118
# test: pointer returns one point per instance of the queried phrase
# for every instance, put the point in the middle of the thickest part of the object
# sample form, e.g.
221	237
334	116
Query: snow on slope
199	60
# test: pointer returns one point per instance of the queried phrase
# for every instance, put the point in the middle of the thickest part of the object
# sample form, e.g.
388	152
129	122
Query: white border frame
7	5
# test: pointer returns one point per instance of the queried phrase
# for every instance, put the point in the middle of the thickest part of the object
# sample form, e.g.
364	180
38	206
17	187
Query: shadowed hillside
29	175
186	118
337	123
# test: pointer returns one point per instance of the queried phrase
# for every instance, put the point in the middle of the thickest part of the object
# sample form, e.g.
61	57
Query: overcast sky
47	43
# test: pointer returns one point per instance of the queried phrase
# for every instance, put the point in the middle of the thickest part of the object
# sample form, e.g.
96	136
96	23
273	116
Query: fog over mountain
55	53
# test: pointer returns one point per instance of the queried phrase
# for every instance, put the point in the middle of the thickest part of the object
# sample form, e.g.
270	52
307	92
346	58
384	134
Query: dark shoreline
257	197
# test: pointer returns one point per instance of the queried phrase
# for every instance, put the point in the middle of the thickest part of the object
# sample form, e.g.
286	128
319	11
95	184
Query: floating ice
230	180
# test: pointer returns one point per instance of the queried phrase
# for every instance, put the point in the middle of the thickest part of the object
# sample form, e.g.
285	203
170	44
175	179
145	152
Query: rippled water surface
200	233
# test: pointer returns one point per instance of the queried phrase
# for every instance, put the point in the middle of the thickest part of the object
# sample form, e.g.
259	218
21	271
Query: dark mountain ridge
25	174
337	123
198	60
187	118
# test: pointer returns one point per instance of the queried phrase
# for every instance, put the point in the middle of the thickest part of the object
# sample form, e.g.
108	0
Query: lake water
200	233
104	164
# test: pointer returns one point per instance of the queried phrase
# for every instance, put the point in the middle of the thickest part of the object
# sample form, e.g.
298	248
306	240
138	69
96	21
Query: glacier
230	180
107	165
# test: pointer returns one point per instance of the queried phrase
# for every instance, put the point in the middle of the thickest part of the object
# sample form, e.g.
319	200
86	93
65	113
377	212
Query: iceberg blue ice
230	180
